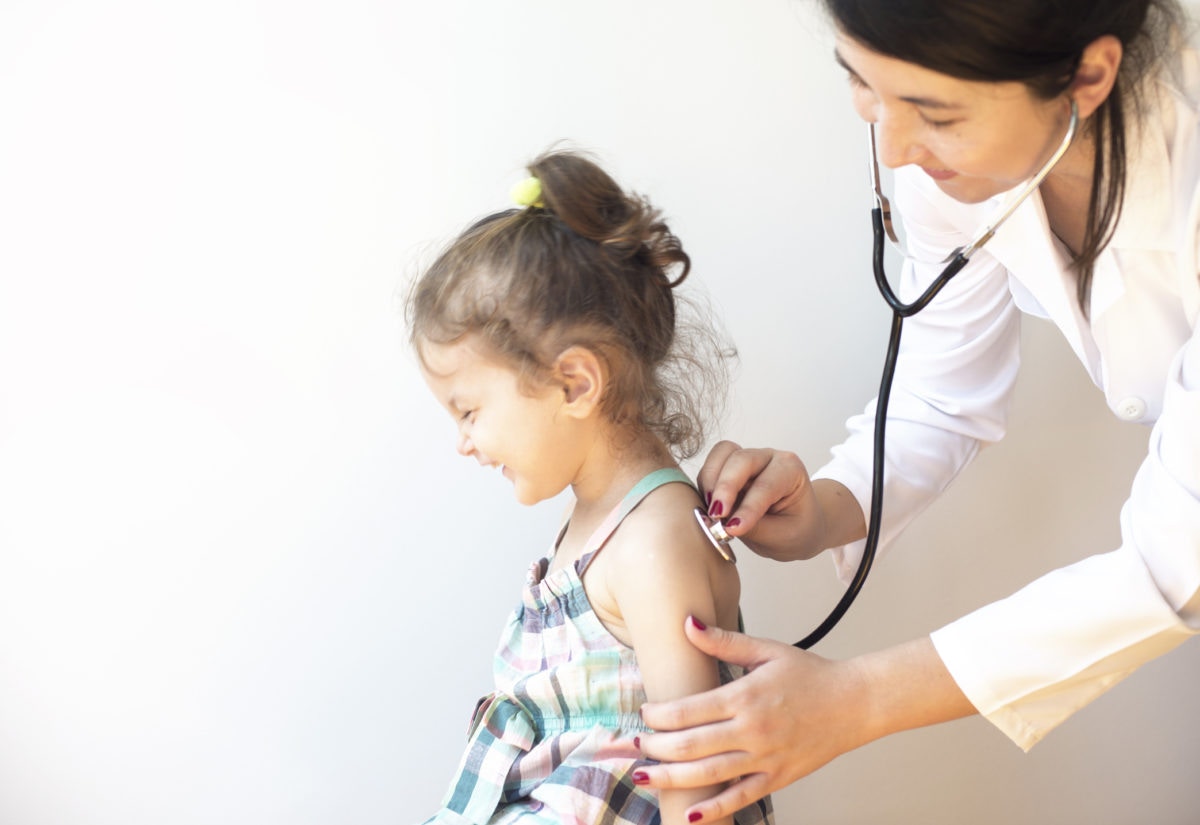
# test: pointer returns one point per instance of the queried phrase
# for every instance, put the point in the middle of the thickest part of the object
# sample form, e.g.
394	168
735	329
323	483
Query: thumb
727	645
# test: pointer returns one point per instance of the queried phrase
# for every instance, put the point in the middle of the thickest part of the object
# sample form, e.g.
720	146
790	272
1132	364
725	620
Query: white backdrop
244	578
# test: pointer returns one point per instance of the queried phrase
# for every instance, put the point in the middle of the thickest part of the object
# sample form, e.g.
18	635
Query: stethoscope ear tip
714	530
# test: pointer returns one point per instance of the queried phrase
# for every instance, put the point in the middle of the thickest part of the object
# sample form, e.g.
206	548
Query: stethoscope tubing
881	224
900	311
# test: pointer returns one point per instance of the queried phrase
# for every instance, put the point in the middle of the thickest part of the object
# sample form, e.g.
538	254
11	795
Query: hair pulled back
588	265
1038	43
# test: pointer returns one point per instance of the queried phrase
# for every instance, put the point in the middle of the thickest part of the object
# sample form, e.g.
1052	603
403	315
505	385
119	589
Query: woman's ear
1097	74
581	374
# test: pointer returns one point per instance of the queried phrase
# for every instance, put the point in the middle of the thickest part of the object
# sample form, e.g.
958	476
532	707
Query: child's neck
611	472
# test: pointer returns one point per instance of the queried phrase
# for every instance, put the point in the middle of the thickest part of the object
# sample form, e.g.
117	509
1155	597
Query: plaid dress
552	744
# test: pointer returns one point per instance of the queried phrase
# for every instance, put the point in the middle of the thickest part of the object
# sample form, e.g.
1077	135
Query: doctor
968	99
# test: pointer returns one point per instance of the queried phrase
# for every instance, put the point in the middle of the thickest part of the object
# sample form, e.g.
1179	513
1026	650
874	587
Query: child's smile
520	430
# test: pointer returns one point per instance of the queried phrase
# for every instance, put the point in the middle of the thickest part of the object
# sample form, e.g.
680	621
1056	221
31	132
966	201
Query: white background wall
244	578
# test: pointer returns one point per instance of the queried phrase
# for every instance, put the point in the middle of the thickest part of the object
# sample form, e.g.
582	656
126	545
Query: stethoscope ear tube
900	311
881	220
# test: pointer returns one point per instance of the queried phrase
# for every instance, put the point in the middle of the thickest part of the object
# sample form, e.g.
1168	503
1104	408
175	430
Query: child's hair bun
590	203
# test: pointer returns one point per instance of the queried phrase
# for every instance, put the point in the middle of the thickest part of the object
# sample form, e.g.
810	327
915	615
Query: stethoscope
881	225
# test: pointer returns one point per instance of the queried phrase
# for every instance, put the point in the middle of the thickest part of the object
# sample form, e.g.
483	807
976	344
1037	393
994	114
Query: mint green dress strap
648	484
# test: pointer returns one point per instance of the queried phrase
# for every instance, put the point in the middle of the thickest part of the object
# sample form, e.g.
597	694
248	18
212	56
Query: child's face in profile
520	430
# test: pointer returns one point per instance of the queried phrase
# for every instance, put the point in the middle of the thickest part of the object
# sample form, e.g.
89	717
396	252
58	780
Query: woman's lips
940	174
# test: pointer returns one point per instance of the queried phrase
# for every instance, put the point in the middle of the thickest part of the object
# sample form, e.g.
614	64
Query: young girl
549	334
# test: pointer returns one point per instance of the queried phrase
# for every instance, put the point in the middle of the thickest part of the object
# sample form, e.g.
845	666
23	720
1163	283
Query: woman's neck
1067	191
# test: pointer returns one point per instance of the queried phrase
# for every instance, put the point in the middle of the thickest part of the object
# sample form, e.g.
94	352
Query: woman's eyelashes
934	123
857	85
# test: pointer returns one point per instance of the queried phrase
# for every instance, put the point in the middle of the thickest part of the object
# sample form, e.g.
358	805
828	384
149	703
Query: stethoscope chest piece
714	530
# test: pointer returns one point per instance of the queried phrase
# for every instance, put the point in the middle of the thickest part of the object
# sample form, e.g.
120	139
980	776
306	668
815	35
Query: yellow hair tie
528	193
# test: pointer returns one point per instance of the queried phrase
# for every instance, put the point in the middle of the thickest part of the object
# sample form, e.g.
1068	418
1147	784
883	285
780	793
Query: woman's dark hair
587	265
1038	43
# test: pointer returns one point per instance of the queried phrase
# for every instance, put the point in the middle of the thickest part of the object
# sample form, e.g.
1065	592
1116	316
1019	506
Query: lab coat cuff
1030	661
956	650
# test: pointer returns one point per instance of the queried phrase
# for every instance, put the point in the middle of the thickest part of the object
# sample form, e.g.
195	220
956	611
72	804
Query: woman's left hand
790	714
762	732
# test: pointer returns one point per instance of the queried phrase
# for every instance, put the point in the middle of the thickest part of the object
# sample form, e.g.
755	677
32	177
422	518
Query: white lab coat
1029	661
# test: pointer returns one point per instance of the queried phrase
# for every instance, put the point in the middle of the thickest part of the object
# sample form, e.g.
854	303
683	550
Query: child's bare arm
663	571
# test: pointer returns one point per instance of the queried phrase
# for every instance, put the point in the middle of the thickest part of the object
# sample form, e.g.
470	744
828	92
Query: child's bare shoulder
660	565
662	532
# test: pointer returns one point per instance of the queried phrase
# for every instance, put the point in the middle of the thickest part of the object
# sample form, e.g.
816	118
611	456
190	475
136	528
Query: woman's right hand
771	504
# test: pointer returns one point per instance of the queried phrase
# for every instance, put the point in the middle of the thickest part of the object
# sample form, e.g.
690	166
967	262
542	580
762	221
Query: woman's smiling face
974	139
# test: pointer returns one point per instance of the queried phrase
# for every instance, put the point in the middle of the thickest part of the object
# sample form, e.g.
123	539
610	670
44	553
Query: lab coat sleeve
1030	661
958	364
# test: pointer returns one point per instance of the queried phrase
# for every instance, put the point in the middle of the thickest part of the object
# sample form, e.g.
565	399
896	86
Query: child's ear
581	374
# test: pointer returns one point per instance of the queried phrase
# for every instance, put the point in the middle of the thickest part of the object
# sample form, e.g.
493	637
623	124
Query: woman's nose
895	143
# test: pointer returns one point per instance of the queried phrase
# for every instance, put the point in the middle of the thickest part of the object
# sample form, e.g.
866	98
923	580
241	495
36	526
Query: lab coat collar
1027	248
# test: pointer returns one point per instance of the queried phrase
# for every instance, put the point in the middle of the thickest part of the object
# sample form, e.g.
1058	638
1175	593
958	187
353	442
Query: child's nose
465	446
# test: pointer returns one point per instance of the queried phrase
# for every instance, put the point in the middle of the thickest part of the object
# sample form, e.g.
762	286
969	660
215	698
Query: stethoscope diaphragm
714	529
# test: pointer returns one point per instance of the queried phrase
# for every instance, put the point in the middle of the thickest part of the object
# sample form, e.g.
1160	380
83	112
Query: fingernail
696	623
716	509
695	816
641	778
708	498
637	742
733	522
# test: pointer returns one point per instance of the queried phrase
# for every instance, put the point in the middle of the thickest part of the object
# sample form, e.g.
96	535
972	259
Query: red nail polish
637	742
716	509
733	522
695	816
708	498
641	778
696	623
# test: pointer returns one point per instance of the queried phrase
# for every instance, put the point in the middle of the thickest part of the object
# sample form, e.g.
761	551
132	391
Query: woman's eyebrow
841	61
923	102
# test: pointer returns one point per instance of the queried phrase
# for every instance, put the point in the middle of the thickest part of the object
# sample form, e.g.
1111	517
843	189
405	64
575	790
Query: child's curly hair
588	265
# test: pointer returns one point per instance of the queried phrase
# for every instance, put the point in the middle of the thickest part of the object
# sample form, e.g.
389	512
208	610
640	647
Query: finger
713	705
711	471
718	704
713	770
749	652
779	481
731	800
695	711
739	470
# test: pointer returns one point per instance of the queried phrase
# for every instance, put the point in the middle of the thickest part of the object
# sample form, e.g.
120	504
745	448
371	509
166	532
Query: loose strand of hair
1107	194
